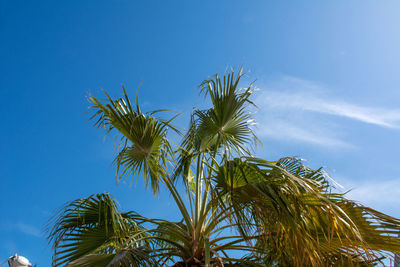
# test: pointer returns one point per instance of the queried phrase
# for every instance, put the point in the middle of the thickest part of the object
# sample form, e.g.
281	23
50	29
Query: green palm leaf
145	148
94	225
227	123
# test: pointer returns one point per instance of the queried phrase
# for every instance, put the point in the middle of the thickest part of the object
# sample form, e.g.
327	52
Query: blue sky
327	73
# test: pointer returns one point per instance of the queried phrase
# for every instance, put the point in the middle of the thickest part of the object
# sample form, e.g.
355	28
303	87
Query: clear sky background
328	74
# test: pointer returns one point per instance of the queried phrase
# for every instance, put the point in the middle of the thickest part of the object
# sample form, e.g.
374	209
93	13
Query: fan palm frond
145	150
94	225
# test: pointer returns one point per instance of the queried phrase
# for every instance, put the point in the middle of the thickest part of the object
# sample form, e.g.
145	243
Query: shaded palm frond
135	257
303	222
378	231
94	225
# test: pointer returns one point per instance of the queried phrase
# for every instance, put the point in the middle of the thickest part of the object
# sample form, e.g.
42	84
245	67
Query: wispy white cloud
22	227
305	101
296	109
28	229
382	194
283	130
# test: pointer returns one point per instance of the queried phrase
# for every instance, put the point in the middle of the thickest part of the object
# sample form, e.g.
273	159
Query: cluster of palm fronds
235	209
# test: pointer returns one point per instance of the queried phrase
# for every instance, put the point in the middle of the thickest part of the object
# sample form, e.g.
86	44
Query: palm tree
235	209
